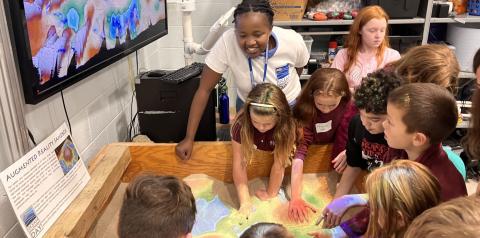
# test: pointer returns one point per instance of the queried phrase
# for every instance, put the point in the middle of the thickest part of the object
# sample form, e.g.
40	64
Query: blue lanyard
265	64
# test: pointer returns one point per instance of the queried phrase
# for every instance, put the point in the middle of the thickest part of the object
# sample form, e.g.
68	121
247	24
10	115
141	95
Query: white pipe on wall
187	7
187	36
217	29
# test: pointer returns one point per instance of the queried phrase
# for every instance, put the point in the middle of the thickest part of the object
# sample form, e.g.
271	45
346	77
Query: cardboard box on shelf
288	10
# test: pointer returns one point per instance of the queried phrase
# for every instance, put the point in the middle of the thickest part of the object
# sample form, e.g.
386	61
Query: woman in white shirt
255	52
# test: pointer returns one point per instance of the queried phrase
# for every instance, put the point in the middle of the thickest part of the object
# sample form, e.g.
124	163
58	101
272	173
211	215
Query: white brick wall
99	106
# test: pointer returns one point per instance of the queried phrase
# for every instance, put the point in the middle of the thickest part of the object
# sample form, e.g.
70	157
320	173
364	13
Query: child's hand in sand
298	210
244	212
324	233
263	195
340	162
336	232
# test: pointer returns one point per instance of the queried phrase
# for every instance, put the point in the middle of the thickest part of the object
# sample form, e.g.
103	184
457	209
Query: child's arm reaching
334	211
348	179
240	179
354	161
274	183
298	208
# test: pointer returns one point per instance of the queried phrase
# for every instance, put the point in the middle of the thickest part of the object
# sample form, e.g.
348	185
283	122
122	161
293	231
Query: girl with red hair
367	47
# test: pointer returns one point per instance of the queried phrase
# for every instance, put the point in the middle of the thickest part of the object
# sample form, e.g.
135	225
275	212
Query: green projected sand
217	202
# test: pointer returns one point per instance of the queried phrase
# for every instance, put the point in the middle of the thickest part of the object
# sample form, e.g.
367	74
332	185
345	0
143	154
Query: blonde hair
433	63
269	100
403	188
354	39
459	218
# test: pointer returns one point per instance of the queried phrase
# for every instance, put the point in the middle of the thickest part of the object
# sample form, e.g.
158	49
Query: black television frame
17	27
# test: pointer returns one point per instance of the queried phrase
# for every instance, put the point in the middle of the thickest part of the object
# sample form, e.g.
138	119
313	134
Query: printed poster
42	184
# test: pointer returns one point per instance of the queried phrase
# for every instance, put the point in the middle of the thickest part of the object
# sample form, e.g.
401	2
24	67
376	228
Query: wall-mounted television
59	42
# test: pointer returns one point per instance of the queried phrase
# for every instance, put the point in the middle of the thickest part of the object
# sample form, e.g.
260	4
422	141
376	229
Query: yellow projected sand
216	216
217	203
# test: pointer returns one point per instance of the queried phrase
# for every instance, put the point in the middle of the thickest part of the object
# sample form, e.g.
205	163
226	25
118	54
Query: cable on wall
131	126
31	137
66	113
136	60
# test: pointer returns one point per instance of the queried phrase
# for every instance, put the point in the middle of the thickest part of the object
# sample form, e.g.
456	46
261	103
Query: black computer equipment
163	102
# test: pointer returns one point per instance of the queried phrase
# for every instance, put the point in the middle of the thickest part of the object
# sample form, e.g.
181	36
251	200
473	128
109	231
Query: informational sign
42	184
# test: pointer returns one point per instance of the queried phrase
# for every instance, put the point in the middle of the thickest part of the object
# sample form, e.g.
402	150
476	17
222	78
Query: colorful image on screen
68	37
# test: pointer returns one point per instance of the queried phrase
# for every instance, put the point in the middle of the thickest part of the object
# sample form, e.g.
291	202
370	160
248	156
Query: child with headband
266	123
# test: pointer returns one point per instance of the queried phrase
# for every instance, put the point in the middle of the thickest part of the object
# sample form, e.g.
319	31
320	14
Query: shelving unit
465	75
418	28
307	22
464	19
420	22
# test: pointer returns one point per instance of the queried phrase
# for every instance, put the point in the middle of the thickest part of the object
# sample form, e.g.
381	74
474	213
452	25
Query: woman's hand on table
184	149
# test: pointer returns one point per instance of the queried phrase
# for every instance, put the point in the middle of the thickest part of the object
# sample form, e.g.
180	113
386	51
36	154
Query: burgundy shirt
262	141
327	128
434	158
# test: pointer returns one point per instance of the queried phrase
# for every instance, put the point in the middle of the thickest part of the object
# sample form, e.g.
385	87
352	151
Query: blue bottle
223	108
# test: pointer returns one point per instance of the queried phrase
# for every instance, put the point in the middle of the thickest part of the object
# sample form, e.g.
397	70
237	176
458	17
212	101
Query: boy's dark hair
428	108
266	230
373	92
157	207
254	6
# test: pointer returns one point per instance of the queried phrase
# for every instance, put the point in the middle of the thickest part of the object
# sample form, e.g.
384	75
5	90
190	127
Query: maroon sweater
434	158
327	128
262	141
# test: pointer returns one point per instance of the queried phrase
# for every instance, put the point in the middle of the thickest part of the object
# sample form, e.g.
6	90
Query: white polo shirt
290	53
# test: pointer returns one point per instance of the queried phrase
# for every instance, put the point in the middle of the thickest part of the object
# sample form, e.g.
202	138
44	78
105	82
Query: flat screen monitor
59	42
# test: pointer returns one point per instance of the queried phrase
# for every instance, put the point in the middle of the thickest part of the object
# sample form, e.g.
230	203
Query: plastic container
308	42
332	51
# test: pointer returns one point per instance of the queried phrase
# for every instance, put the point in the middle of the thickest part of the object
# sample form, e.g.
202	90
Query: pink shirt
363	66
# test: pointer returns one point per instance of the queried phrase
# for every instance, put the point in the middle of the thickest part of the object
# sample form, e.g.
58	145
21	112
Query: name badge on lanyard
265	64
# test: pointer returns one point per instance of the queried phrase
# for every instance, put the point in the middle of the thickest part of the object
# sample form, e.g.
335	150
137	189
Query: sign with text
42	184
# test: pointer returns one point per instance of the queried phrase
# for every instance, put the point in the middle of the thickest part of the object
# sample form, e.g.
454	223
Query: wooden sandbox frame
121	162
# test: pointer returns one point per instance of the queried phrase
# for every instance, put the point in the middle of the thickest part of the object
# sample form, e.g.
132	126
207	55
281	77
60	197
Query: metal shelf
464	18
305	76
323	33
466	75
307	22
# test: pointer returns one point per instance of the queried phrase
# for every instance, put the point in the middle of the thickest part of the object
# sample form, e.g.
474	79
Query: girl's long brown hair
472	140
285	130
398	192
354	39
328	80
